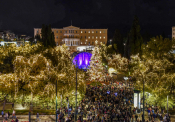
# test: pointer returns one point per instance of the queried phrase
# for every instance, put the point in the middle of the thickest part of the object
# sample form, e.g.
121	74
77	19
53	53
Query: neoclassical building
78	39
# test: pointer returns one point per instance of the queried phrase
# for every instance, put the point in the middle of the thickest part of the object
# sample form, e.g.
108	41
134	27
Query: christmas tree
96	69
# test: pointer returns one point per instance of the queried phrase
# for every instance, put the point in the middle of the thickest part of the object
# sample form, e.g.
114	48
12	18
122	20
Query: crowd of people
107	103
111	103
6	116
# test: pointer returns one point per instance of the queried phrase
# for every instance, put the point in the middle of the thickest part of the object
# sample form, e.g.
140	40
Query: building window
76	31
73	31
100	31
96	37
89	37
65	31
85	42
81	43
89	43
92	42
103	42
60	37
60	31
76	36
69	31
85	32
104	37
73	36
103	31
57	37
96	32
92	37
85	37
81	37
88	31
81	31
57	31
92	31
69	36
100	37
37	32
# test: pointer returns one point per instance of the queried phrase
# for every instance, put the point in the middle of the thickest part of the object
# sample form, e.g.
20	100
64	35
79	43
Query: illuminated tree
156	68
96	69
118	62
35	72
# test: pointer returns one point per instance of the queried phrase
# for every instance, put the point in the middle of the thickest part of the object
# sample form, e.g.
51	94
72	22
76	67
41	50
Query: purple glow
82	60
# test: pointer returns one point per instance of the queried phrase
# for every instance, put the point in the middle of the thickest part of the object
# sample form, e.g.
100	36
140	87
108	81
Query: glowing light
82	60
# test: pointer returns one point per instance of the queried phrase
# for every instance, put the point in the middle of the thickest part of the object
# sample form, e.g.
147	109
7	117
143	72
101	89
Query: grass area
34	112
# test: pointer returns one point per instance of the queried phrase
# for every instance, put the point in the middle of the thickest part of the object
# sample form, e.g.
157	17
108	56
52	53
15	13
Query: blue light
83	60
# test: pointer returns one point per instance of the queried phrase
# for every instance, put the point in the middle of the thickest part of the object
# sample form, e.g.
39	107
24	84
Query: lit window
81	43
81	31
89	37
92	37
96	37
85	42
100	31
88	31
92	31
100	37
104	37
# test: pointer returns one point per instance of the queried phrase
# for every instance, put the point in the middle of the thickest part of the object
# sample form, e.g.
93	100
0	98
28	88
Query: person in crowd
37	117
2	113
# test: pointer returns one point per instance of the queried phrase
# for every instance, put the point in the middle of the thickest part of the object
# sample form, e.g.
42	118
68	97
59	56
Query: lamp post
124	48
76	95
167	105
110	41
56	100
125	78
143	100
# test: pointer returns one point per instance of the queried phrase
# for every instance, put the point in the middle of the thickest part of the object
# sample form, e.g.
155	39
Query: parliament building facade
78	39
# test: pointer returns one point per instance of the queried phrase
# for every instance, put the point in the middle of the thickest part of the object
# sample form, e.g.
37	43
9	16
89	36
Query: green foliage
117	43
48	38
136	40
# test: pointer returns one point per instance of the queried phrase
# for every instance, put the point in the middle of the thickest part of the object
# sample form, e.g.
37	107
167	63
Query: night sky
21	16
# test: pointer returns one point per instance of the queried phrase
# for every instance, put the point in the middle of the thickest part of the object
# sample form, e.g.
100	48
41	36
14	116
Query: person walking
37	117
13	114
8	114
2	113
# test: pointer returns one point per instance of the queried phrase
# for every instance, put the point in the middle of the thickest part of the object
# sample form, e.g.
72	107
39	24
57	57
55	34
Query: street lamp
56	100
76	95
124	48
110	41
125	78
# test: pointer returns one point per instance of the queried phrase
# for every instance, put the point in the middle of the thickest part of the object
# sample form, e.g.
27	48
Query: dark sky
21	16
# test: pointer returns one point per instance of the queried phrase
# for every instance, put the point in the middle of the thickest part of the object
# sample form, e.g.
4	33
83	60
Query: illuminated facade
76	38
173	32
